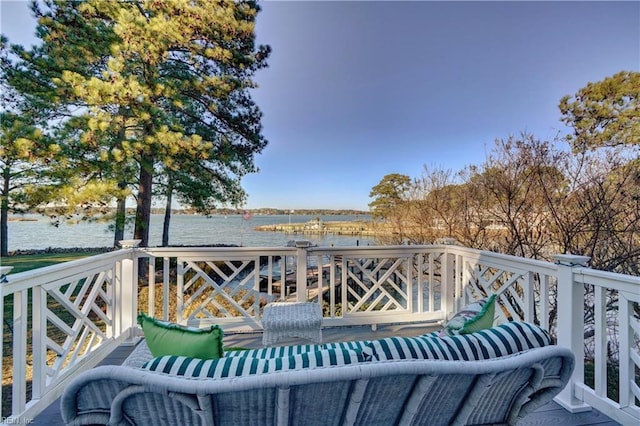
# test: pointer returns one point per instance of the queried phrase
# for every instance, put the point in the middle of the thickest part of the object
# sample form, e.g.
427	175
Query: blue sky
357	90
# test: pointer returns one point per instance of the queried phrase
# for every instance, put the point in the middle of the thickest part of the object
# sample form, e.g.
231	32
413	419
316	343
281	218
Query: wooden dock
355	228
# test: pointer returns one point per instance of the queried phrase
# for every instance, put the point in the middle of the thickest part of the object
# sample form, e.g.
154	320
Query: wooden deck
551	414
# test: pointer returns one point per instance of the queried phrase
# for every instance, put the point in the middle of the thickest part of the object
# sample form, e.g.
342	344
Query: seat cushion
462	347
501	340
357	345
285	351
243	366
275	351
511	337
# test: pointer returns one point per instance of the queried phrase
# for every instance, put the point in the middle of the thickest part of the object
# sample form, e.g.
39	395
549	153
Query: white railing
607	307
66	318
60	320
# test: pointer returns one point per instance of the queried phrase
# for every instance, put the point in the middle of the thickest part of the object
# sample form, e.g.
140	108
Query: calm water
38	233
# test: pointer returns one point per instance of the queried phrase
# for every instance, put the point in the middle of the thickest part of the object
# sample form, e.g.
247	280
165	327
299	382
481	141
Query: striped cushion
461	347
243	366
285	351
357	345
275	352
498	341
512	337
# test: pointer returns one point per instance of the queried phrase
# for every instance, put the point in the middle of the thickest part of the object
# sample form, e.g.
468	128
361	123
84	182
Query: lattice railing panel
428	271
221	289
377	284
510	286
77	320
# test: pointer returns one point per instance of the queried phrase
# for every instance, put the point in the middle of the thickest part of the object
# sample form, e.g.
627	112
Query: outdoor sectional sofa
493	376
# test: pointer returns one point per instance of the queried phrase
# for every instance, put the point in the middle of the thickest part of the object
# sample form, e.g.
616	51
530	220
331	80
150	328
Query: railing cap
571	259
4	271
129	243
449	241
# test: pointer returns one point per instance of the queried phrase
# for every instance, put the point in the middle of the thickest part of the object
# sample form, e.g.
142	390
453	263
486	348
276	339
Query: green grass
26	262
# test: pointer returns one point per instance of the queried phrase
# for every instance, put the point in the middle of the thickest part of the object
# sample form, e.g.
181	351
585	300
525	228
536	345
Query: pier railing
61	320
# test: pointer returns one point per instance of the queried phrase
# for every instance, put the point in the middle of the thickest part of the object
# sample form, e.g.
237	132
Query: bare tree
599	215
508	192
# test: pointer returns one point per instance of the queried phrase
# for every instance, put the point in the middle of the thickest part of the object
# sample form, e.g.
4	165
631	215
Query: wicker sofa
496	376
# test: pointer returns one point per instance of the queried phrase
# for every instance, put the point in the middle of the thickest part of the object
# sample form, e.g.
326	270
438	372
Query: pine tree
605	113
25	150
156	88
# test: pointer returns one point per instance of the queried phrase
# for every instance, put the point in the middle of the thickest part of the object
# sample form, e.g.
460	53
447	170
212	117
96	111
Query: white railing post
151	286
20	319
448	284
4	271
39	341
126	298
301	270
625	351
180	291
2	395
529	299
570	325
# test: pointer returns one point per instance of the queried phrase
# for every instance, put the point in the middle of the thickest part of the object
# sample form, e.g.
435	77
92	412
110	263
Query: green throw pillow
165	338
474	317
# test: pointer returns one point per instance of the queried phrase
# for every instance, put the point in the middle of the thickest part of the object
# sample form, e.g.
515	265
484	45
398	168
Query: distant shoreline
60	250
191	230
263	211
352	228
